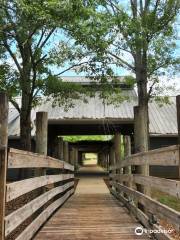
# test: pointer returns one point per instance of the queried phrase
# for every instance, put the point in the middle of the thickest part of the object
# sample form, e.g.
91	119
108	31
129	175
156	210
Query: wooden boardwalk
91	213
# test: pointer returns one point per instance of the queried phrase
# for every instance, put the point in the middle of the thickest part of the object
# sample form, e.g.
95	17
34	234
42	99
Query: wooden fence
145	208
50	191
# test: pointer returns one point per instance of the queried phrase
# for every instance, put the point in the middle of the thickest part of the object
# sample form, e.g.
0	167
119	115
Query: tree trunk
25	129
26	103
142	119
141	124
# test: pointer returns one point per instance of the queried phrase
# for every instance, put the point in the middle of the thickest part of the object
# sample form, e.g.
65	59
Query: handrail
123	186
48	191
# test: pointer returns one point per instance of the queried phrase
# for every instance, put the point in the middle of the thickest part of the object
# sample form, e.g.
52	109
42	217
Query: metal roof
163	119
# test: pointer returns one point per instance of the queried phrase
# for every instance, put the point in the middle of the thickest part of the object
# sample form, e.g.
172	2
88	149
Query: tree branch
123	62
47	38
69	68
15	104
12	55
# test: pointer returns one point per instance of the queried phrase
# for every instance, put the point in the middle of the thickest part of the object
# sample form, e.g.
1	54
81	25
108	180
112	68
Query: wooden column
3	159
71	156
104	160
112	156
66	152
41	132
76	158
117	148
127	153
41	137
60	148
140	145
178	124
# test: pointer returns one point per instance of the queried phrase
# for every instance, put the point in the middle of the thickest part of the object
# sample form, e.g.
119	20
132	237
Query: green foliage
33	44
87	138
140	37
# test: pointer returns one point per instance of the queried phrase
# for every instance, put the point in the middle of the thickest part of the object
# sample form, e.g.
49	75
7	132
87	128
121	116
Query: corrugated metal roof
85	80
163	119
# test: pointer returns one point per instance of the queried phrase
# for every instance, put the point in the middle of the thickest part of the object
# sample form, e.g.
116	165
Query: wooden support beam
127	153
112	156
41	132
60	148
66	151
41	137
178	124
117	148
3	159
76	158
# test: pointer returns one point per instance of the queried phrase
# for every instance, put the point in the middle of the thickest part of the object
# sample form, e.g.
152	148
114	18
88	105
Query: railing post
127	153
60	148
76	158
41	137
178	124
111	162
41	132
3	159
66	152
118	157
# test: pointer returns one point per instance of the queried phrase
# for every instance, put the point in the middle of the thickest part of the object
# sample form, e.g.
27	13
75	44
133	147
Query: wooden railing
145	208
49	191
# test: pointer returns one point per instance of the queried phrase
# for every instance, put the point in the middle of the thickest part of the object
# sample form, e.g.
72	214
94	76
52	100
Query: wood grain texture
171	187
24	159
19	188
3	158
38	222
17	217
90	214
154	207
166	156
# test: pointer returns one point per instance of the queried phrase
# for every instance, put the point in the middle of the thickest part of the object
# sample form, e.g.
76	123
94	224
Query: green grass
166	199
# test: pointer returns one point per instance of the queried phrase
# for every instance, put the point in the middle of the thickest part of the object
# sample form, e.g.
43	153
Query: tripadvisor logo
139	231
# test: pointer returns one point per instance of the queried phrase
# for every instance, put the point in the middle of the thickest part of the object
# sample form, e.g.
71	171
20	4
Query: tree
138	36
32	46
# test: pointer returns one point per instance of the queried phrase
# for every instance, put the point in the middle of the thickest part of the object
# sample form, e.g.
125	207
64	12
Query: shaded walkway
92	213
91	170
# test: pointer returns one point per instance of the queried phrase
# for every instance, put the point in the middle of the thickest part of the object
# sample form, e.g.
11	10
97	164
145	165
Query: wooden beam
76	158
24	159
66	151
14	219
127	153
112	156
178	124
3	159
29	232
60	148
17	189
41	132
117	146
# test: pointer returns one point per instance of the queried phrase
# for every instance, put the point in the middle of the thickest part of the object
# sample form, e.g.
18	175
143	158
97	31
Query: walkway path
92	213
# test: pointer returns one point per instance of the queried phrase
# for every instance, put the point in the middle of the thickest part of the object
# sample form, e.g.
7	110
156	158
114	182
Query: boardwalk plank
91	214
